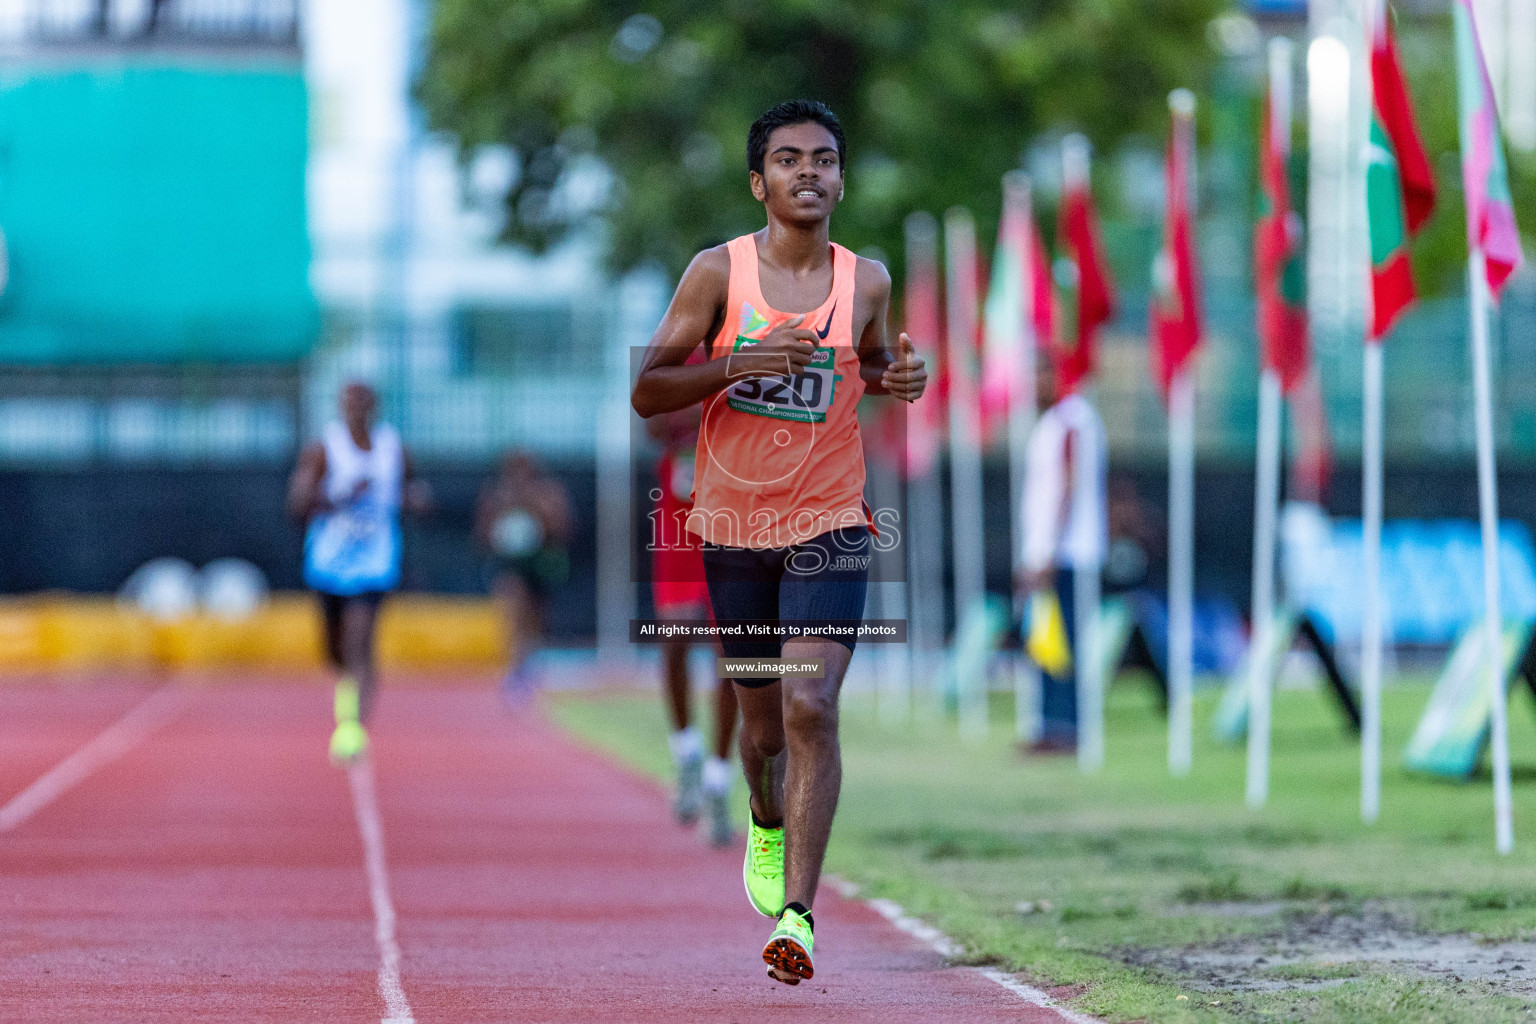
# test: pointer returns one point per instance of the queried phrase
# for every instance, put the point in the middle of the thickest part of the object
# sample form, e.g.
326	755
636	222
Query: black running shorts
333	607
822	580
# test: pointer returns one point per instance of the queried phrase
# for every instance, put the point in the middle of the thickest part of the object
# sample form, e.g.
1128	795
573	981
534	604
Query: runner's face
802	179
357	405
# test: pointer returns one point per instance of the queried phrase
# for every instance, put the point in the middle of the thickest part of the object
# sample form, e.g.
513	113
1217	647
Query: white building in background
477	346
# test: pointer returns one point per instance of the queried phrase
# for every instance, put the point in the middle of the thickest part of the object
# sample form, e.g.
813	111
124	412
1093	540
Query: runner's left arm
902	374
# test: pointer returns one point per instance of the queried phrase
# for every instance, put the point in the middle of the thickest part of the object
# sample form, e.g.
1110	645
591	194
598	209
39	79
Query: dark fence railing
78	417
90	22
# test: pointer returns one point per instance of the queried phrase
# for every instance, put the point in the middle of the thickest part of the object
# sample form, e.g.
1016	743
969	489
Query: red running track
216	871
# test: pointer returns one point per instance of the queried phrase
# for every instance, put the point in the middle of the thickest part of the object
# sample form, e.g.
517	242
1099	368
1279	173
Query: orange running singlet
780	459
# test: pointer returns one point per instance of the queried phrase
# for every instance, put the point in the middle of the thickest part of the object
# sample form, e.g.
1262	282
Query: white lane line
948	948
366	806
116	740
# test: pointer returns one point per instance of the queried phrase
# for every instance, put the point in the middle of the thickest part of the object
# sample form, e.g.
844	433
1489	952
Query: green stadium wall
154	213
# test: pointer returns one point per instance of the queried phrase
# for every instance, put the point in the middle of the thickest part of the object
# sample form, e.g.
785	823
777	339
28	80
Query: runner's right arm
697	311
305	494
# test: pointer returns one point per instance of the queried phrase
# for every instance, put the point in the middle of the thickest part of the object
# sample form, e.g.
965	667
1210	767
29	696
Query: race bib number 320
804	397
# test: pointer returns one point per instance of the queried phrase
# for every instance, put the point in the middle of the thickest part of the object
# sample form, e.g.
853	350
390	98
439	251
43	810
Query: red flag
1176	321
1394	106
1400	186
1044	288
925	418
1277	260
1095	291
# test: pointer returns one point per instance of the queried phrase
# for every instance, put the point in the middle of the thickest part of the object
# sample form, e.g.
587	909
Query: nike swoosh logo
827	327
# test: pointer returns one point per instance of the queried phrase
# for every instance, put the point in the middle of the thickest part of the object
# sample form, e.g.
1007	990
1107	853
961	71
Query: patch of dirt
1066	993
1371	936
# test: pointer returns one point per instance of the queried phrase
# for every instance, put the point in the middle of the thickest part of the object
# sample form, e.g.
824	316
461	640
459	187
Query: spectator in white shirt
1065	531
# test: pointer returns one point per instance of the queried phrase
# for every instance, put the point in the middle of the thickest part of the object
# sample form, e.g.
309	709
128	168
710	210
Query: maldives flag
1176	321
1043	286
1091	293
1399	185
925	417
1490	213
1003	333
1277	258
1006	334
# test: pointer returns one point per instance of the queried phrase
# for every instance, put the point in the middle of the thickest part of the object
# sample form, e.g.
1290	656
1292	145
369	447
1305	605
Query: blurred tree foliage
938	100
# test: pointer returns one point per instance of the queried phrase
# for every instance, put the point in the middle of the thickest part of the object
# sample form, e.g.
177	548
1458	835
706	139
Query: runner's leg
725	718
359	617
825	581
813	775
744	585
763	752
330	615
674	660
518	612
685	743
718	771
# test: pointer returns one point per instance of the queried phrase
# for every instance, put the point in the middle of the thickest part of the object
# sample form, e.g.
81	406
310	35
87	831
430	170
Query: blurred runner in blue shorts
349	489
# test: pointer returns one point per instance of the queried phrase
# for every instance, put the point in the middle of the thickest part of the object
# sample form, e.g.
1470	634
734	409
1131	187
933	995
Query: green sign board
1451	734
153	210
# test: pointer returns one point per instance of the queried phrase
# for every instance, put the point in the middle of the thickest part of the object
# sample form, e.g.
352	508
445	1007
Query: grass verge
1111	882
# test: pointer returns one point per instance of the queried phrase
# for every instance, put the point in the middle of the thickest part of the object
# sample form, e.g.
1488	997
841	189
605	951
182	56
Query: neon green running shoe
349	742
788	953
763	872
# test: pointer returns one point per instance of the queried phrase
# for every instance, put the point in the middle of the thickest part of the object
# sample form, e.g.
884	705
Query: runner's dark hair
787	113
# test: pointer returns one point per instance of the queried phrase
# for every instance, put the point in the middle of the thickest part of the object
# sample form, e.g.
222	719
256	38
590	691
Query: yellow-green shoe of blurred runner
763	872
788	953
348	743
350	740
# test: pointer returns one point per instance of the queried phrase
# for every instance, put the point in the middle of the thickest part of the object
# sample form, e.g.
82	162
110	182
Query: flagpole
1181	524
965	482
924	524
1086	599
1076	166
893	682
1488	514
1371	461
1372	640
1266	485
1018	202
1261	639
925	586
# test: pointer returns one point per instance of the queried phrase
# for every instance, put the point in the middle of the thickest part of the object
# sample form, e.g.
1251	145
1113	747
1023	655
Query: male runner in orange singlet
795	331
